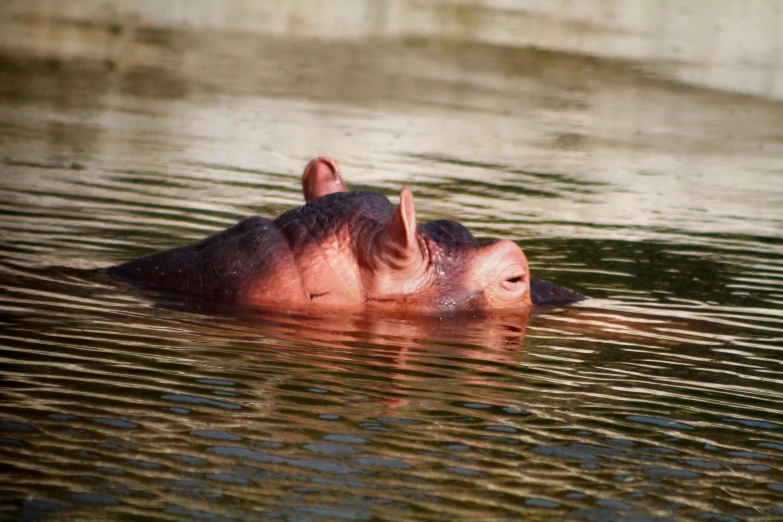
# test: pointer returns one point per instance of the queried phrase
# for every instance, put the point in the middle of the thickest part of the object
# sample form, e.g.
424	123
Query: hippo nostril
514	281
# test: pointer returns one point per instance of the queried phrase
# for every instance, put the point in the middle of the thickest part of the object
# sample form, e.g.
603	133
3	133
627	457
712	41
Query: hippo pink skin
346	250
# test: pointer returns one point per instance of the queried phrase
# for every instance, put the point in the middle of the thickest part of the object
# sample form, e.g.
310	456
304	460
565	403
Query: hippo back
224	263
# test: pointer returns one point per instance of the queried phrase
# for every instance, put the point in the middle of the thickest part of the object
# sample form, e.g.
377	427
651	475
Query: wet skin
349	250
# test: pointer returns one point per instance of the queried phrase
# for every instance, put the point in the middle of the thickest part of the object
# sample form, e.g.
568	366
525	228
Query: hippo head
349	250
440	266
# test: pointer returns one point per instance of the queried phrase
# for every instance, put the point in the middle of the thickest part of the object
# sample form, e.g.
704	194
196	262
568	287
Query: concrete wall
726	44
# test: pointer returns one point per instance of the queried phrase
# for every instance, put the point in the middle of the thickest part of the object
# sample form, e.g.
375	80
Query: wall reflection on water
634	153
665	151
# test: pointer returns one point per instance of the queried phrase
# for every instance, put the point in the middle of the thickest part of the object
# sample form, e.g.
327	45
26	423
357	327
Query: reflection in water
658	399
143	409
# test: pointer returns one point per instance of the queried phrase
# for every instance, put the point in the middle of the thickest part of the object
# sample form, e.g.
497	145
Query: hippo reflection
349	250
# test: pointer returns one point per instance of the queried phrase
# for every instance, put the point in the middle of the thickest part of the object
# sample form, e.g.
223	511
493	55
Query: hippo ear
397	245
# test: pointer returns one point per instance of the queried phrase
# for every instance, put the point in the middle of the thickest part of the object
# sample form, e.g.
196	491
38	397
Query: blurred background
634	150
670	107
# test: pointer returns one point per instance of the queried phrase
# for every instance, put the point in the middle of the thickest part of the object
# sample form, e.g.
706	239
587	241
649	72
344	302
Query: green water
657	399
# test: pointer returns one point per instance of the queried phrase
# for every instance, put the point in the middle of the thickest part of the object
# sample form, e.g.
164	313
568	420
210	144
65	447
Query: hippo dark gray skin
349	250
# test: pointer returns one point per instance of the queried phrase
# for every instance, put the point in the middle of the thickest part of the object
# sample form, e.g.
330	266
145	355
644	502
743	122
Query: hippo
348	250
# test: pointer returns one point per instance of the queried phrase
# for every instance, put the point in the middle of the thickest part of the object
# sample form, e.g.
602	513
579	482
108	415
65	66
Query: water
657	399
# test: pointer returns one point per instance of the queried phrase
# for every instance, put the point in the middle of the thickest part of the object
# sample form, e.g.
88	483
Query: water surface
657	399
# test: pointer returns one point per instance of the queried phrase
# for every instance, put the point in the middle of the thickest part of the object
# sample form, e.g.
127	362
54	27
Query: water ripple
657	399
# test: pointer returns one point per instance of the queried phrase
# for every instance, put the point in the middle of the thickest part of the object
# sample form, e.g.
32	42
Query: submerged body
348	250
